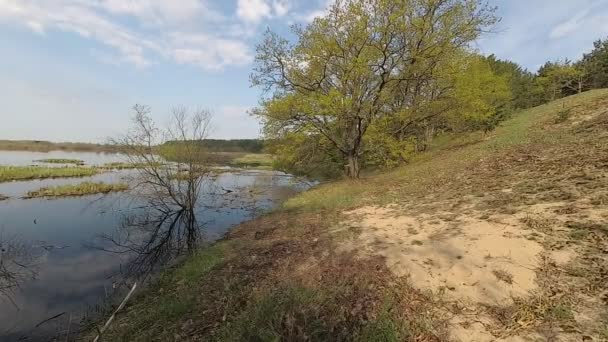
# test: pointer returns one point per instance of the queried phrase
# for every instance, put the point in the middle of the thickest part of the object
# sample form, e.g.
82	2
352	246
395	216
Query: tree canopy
363	61
374	81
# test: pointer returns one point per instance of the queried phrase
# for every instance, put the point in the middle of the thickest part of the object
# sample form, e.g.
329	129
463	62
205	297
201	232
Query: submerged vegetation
60	161
17	173
80	189
126	166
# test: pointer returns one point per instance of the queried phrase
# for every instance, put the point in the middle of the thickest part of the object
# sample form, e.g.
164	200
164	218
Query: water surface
80	250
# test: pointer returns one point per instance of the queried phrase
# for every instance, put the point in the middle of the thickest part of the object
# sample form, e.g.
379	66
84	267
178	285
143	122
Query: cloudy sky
70	70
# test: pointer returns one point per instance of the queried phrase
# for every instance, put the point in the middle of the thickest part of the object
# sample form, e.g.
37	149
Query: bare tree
171	160
170	169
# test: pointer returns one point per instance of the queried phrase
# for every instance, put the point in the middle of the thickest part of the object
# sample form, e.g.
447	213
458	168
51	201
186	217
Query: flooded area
71	254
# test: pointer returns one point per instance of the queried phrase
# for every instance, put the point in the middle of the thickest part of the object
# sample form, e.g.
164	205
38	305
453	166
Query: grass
19	173
81	189
253	160
60	161
283	276
127	166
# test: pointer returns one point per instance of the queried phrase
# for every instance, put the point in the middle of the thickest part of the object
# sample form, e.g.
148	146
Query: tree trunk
352	168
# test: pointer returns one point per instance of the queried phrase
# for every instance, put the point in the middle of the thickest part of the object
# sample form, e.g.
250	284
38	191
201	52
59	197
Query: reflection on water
20	158
85	247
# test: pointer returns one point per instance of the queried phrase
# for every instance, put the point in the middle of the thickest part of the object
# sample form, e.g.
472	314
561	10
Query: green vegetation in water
84	188
17	173
60	161
127	166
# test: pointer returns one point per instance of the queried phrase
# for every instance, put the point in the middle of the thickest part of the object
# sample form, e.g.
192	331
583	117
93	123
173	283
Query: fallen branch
49	319
122	304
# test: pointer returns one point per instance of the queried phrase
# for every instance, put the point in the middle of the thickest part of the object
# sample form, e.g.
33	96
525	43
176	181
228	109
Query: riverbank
497	237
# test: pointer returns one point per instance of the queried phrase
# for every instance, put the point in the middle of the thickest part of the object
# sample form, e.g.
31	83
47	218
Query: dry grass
282	277
273	280
503	275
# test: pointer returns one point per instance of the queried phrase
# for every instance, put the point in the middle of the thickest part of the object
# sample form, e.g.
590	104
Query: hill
495	237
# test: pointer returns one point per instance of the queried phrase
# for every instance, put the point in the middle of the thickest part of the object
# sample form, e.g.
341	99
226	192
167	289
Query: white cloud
281	8
162	11
140	46
322	9
569	26
253	10
35	26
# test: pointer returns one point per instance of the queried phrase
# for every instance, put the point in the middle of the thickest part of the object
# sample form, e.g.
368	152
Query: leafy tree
595	65
559	79
306	154
481	97
521	83
363	61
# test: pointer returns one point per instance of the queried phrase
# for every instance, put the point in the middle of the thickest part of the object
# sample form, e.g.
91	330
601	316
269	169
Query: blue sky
71	69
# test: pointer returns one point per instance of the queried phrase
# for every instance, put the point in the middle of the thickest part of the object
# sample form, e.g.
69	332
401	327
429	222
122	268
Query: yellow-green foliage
384	150
306	154
81	189
11	173
479	94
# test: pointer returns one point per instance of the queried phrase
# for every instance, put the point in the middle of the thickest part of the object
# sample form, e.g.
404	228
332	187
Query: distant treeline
212	145
234	145
47	146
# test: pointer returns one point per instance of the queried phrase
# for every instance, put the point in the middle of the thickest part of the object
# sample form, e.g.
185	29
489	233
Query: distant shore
47	146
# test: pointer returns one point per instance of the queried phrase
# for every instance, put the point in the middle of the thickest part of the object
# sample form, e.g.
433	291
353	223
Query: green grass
254	160
81	189
127	166
449	155
18	173
164	302
60	161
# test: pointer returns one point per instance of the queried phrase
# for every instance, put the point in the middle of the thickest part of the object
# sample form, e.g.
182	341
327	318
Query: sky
71	70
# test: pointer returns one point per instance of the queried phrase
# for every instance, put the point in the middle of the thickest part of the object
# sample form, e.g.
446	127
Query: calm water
19	158
78	251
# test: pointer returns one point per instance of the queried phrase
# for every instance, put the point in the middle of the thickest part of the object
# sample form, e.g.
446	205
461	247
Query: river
72	254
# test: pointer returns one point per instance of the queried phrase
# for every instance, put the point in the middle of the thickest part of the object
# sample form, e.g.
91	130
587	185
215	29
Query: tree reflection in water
16	266
154	237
